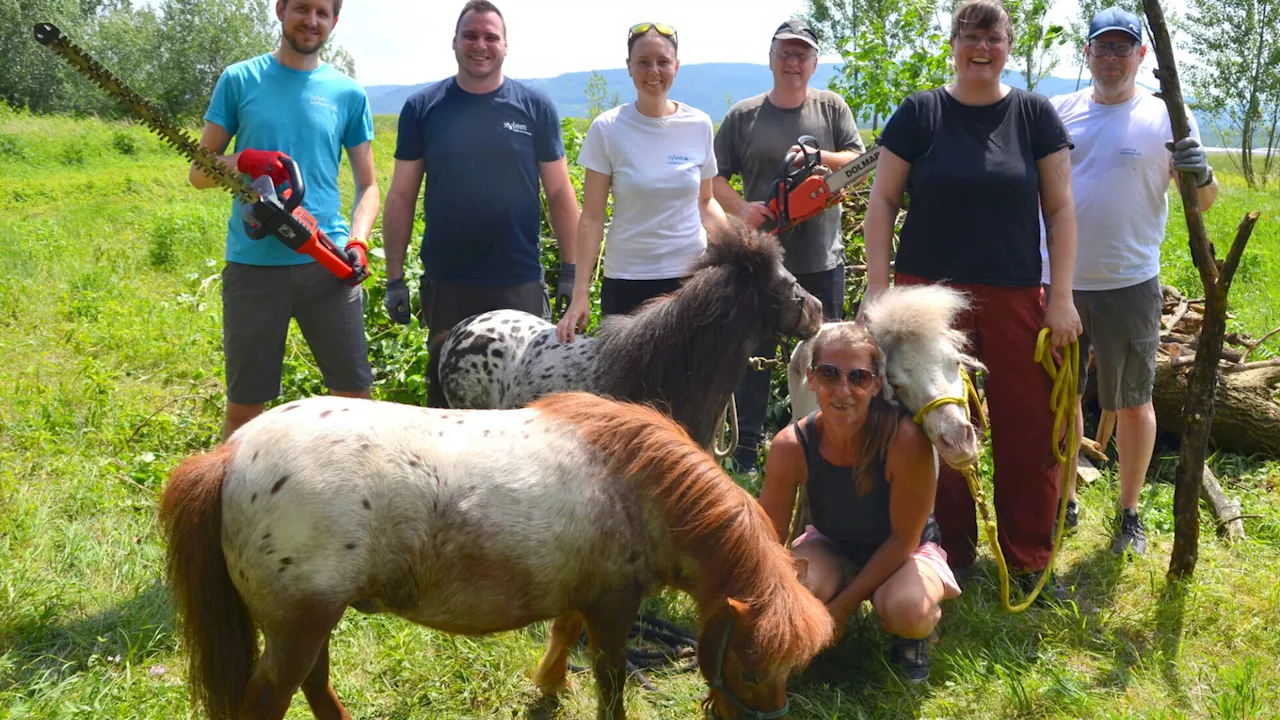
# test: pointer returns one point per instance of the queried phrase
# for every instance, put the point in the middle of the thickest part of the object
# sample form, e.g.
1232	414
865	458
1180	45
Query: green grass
111	371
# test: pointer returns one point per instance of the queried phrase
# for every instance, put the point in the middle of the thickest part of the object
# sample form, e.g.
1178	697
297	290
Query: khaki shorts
1122	326
257	303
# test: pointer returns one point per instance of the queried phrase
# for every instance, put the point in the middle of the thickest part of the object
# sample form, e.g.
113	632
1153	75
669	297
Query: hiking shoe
1052	592
911	657
745	457
1130	536
1073	515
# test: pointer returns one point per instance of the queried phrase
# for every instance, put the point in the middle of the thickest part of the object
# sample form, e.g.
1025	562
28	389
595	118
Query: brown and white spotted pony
924	358
683	353
480	521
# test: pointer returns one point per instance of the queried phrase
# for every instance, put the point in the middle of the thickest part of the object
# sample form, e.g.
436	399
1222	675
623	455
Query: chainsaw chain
51	37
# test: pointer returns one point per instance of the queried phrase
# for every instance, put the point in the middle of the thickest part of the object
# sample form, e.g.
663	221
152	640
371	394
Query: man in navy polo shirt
484	142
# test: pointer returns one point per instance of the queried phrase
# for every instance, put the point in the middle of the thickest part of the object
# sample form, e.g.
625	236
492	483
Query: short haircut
480	6
981	15
337	6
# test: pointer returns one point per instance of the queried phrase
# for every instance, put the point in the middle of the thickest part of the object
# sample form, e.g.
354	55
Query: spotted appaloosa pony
924	356
683	353
575	508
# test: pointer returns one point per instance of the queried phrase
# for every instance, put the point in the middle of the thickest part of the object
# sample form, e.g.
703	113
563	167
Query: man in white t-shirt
1121	167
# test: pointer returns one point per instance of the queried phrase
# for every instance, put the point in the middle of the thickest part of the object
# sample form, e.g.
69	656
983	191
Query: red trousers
1003	324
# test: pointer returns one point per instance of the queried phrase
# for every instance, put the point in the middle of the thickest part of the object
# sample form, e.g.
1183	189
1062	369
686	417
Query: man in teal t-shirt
289	101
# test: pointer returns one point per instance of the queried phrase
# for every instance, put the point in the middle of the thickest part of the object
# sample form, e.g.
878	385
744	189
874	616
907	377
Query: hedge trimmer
265	212
807	190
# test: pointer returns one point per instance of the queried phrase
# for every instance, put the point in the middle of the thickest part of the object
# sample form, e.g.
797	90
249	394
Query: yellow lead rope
1062	401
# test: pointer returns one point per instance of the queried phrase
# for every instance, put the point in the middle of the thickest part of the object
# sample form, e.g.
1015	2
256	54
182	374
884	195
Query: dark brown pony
575	508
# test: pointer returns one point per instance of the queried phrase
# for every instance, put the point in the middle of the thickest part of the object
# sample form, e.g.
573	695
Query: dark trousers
752	393
1004	323
445	304
622	297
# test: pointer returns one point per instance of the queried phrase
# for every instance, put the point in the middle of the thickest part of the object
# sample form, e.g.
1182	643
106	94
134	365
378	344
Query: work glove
397	301
564	286
358	255
256	163
1188	156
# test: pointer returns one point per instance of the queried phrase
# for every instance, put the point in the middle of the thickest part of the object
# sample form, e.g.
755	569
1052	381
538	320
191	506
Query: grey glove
397	301
1188	156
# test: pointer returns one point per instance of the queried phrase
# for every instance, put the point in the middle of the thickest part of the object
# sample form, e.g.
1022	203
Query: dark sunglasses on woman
830	375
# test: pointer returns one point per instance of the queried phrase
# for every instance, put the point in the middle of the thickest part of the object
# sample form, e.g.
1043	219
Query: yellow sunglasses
662	28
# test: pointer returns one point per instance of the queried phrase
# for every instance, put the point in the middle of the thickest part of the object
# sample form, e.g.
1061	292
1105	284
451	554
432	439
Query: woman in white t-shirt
656	156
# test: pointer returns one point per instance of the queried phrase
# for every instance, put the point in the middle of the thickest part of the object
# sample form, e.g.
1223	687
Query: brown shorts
257	303
1122	326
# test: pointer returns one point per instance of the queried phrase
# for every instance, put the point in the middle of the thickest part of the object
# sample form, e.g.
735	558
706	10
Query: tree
203	37
1237	73
599	98
1036	46
33	76
899	48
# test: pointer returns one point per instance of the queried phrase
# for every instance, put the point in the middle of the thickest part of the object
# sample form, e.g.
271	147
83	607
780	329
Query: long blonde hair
882	416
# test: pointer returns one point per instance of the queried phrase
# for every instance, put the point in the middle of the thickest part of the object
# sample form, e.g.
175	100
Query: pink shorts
929	554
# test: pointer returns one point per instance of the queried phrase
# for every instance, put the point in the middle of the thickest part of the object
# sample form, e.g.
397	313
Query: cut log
1225	509
1246	418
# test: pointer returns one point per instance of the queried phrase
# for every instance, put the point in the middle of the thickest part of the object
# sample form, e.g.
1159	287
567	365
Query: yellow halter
1062	402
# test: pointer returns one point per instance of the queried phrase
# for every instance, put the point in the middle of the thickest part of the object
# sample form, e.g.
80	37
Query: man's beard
288	38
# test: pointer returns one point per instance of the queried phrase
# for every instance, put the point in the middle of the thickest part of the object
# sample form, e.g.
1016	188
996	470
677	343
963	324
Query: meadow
111	372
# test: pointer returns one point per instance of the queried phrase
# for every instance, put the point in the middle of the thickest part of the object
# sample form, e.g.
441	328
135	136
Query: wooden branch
1178	314
1258	343
1256	364
1228	271
1225	509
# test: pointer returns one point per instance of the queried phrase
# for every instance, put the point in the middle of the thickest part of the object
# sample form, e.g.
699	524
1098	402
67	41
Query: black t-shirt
974	214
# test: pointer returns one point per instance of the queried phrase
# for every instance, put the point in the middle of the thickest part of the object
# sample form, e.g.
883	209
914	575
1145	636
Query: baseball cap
796	30
1113	18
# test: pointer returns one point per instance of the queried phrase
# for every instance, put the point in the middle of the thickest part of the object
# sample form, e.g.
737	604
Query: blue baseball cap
1113	18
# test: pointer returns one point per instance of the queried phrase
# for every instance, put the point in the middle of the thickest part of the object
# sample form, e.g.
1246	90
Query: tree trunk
1246	419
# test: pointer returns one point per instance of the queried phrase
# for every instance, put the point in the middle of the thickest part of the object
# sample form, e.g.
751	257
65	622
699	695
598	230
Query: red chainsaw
805	191
264	212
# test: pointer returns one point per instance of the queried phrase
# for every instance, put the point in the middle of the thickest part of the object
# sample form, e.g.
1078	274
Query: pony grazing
471	522
683	353
924	359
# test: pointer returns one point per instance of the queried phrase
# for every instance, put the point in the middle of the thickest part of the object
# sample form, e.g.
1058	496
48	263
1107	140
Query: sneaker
1052	592
745	457
1130	536
1073	515
912	657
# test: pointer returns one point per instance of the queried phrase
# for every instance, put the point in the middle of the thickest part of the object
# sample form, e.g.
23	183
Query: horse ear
740	610
802	569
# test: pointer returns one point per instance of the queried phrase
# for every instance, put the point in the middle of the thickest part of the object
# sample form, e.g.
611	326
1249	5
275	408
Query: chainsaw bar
854	170
50	36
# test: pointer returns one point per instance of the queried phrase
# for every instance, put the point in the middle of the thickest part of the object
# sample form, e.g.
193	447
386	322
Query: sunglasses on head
830	375
661	28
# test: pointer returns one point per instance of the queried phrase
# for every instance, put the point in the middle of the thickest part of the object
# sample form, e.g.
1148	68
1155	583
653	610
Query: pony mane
713	311
916	314
720	524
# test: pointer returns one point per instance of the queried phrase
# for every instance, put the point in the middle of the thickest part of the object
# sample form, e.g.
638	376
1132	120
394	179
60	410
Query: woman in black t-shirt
979	161
870	473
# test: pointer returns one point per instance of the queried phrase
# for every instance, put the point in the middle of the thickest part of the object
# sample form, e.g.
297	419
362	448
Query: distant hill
710	87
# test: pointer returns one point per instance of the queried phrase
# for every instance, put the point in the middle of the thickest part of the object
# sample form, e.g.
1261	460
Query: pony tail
220	636
879	429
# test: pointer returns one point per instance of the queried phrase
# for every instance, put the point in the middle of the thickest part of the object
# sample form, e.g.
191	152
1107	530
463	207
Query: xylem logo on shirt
517	127
324	102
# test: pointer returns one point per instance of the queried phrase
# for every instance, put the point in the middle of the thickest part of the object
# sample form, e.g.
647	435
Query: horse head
751	263
925	363
747	678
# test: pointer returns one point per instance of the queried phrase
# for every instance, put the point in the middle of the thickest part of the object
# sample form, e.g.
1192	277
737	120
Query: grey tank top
857	524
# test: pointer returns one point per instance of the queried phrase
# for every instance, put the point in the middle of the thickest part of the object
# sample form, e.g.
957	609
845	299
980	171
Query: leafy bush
124	143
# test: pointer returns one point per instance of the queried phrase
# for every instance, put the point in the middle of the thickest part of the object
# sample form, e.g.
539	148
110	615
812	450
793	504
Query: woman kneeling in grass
871	477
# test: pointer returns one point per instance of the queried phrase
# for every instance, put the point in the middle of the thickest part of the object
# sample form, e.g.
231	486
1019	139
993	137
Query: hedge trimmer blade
50	36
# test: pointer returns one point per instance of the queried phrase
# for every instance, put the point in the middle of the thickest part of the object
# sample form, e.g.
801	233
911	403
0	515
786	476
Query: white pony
924	357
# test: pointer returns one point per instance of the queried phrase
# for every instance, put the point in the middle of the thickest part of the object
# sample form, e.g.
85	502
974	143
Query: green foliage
899	48
1036	42
1237	73
599	98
